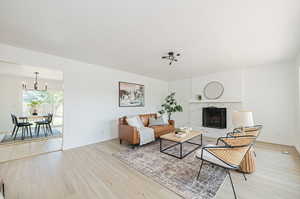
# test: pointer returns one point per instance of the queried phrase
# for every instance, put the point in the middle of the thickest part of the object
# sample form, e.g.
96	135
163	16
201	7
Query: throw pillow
156	122
135	122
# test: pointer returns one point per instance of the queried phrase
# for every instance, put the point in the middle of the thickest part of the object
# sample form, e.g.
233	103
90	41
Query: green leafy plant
34	103
170	105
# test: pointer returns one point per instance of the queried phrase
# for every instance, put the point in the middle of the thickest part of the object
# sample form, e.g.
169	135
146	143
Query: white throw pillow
156	122
135	122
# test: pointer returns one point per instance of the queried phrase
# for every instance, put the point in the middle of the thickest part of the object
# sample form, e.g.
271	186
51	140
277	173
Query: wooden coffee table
180	141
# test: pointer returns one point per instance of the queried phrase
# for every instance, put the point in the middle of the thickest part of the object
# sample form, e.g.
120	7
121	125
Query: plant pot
34	111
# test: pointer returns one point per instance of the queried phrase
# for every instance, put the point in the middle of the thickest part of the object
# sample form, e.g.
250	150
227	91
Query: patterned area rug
175	174
7	139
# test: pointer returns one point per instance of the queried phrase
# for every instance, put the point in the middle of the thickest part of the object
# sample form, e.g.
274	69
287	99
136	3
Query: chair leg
30	131
50	129
16	132
45	131
245	176
37	130
27	131
22	133
120	141
231	184
12	134
200	170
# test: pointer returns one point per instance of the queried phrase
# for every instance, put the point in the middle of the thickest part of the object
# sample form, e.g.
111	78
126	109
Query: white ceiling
13	69
132	35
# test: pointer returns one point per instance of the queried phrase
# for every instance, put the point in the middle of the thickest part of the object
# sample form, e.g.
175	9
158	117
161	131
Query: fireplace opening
214	117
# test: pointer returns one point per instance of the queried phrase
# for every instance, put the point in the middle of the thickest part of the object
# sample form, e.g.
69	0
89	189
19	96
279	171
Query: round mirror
213	90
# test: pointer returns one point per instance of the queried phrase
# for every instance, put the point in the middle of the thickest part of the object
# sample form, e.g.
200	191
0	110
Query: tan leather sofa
131	135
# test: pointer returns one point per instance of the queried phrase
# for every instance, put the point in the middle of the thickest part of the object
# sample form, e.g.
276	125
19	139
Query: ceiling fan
171	57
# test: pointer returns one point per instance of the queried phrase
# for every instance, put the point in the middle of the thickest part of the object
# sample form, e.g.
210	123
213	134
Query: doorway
31	120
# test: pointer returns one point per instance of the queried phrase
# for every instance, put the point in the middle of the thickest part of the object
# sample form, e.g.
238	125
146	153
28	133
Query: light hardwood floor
28	148
91	172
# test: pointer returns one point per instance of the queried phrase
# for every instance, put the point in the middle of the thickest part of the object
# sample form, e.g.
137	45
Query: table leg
180	150
160	145
201	139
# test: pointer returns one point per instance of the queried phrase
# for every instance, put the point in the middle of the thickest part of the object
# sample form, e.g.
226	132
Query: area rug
8	139
178	175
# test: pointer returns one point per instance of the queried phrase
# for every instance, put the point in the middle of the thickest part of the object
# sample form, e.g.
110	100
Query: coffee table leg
159	144
180	150
201	139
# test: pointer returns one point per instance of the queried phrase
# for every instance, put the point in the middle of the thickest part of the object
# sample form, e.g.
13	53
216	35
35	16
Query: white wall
269	91
11	97
297	134
187	90
90	95
183	95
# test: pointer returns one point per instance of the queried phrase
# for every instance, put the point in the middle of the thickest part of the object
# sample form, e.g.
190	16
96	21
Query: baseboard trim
88	143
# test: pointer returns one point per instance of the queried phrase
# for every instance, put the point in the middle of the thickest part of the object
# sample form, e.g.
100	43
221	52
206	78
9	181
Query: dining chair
45	124
227	157
25	126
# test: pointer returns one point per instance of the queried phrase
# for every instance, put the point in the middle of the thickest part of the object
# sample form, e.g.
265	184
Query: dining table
32	117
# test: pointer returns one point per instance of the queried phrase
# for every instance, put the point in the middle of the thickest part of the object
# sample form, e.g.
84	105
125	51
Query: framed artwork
131	95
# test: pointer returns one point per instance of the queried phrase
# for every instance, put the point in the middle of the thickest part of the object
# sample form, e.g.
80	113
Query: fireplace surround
214	117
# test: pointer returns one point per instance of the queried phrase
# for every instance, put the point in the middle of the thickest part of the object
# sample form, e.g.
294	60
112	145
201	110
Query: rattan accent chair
248	131
228	156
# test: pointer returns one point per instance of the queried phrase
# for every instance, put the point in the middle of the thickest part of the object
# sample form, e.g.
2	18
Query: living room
251	53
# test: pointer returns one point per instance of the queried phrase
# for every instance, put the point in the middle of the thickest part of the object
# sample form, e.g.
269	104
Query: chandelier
171	57
35	84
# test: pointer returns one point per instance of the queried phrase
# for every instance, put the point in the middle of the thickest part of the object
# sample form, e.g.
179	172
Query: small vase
199	97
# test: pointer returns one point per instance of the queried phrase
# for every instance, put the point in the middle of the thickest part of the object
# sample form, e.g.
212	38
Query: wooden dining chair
227	157
25	126
45	124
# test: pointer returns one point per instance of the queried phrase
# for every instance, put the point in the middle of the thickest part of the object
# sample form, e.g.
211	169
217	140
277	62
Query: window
44	102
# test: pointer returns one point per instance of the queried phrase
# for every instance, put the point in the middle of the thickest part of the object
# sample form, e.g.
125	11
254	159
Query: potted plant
34	107
170	106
